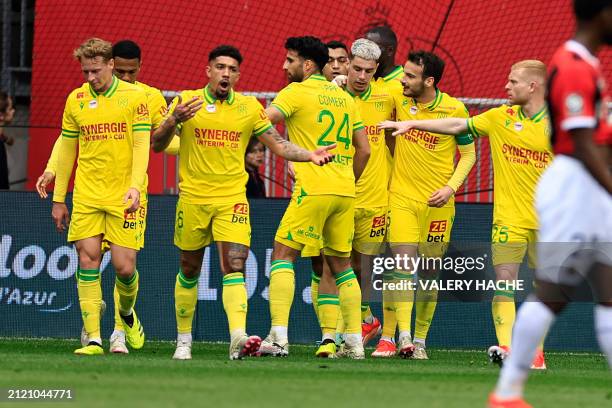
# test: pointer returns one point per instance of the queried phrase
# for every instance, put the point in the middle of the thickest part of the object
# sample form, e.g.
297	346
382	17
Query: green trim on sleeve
285	114
471	127
263	130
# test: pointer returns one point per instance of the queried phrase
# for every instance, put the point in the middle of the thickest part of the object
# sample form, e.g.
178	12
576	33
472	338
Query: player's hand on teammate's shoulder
60	216
43	181
132	197
440	197
185	111
322	156
399	128
340	80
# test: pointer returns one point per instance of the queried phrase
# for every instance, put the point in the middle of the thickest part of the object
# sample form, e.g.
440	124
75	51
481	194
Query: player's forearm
284	148
52	163
163	134
466	162
274	115
140	159
360	160
447	126
589	154
67	152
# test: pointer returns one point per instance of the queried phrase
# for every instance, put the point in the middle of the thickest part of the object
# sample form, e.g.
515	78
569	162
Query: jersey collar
364	96
109	92
210	98
397	71
536	117
434	104
317	77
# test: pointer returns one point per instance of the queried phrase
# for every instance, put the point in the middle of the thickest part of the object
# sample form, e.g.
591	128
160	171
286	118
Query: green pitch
150	378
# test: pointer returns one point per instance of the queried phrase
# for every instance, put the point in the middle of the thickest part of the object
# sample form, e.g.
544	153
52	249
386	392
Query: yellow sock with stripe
504	314
282	289
118	323
185	300
366	312
403	302
314	293
127	288
329	309
90	300
349	294
235	303
426	302
389	323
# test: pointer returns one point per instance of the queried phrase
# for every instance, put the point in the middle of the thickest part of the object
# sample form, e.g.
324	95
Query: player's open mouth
223	85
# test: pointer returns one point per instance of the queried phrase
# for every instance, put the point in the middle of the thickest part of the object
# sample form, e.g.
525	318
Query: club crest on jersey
379	106
574	104
211	108
518	126
93	104
123	102
413	110
242	109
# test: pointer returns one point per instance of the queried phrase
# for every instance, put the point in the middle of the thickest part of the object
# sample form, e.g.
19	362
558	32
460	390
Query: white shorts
575	217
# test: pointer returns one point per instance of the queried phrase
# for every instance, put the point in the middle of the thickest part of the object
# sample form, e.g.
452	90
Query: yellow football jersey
424	162
106	126
318	113
520	149
391	83
375	105
157	104
213	144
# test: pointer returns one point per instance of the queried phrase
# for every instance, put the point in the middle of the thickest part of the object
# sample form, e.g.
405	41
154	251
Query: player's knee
89	260
236	264
125	269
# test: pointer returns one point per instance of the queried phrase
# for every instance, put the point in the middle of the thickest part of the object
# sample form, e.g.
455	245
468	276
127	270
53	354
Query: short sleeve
286	101
141	119
573	91
157	108
262	122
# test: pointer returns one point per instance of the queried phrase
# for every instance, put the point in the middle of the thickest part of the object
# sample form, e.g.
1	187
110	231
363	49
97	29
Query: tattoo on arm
287	149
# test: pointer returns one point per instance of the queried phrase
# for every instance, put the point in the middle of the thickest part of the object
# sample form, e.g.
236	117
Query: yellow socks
349	294
185	300
235	302
329	308
403	302
314	293
90	299
118	323
504	314
127	290
426	302
282	288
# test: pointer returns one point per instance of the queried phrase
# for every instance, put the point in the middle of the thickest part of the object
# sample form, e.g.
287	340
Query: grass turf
150	378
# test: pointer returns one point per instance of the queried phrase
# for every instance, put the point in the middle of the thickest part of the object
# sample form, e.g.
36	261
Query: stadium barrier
38	296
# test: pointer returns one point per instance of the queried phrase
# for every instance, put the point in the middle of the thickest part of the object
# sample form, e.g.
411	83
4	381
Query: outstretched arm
292	152
447	126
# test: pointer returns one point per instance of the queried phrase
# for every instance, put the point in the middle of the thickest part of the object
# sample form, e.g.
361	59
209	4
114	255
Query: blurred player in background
109	119
573	200
127	65
338	61
320	214
212	202
424	181
520	148
7	112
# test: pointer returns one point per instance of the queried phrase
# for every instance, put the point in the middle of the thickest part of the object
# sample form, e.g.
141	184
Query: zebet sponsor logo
438	228
378	226
30	264
241	213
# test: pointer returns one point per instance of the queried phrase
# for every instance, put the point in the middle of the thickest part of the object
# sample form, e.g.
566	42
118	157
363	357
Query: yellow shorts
318	222
509	245
197	225
370	230
115	225
416	223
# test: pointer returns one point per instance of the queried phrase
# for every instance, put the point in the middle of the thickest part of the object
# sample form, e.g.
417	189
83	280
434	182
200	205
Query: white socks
603	328
184	338
532	323
279	334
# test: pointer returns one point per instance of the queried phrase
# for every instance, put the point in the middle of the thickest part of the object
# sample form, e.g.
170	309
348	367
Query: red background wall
478	39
